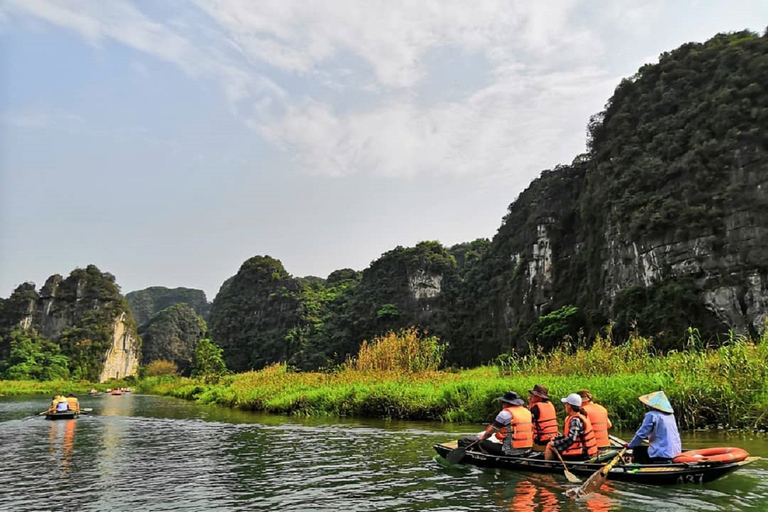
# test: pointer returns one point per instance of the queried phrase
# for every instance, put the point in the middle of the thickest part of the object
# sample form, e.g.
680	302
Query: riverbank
724	387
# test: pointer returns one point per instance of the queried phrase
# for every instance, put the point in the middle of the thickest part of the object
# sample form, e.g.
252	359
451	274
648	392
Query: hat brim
658	401
516	401
538	394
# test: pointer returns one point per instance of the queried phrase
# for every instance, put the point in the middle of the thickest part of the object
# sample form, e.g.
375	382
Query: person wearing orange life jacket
578	442
510	433
543	416
74	405
598	416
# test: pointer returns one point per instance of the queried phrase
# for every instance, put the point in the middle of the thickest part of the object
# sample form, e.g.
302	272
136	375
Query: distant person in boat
598	416
660	429
543	416
578	442
510	433
62	404
74	404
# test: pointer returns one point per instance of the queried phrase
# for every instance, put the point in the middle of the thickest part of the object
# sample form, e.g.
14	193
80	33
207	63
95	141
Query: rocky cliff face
86	315
122	357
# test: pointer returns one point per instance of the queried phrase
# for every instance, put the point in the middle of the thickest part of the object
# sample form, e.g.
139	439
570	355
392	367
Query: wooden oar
597	480
456	455
570	476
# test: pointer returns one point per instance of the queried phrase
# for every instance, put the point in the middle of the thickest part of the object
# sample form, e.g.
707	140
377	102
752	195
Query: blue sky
167	142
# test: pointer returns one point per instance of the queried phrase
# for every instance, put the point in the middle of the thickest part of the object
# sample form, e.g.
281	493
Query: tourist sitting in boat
598	417
510	433
73	403
578	443
660	429
543	416
61	404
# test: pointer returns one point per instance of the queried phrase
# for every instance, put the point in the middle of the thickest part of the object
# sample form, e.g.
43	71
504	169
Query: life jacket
73	403
545	427
598	416
585	444
522	433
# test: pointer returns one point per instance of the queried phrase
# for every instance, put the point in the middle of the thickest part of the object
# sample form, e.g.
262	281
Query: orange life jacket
585	444
598	416
522	433
545	427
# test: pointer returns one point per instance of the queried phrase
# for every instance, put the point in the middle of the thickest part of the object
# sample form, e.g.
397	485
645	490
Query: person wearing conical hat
660	429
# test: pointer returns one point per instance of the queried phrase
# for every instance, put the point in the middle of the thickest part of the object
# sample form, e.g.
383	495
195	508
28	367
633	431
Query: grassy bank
50	387
723	387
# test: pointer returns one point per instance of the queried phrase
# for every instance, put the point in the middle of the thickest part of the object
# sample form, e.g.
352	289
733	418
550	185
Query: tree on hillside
209	363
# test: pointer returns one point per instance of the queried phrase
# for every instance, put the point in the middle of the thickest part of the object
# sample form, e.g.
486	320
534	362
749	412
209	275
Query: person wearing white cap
578	442
660	428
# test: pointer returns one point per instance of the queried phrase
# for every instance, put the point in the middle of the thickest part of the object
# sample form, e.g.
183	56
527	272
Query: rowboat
61	415
701	471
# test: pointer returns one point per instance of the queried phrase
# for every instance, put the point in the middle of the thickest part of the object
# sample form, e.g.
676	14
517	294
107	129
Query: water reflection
62	435
527	496
543	493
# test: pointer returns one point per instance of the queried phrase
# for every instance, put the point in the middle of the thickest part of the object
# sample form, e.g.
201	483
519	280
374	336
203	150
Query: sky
167	142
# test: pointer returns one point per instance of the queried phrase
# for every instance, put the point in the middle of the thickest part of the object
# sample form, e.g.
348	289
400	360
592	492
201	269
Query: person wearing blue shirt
660	429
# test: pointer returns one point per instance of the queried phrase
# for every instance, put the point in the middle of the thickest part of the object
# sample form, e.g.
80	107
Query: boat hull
65	415
653	474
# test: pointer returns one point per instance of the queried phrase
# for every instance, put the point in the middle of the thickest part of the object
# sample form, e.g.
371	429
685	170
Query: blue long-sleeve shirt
660	429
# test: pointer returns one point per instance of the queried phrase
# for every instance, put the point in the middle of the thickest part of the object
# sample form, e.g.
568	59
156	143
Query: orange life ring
729	454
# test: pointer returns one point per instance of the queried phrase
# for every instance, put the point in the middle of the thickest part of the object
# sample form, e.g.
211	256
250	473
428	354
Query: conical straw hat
657	400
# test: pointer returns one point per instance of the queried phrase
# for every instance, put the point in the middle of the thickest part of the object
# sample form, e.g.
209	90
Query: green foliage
172	335
208	364
254	313
33	357
553	328
160	367
666	312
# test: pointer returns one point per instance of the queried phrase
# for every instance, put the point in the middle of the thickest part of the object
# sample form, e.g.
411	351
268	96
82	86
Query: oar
596	481
570	476
456	455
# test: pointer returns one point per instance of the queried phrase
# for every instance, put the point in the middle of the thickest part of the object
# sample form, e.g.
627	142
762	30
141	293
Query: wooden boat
655	474
61	415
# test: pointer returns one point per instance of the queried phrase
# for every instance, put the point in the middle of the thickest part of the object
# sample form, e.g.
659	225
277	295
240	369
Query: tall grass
722	386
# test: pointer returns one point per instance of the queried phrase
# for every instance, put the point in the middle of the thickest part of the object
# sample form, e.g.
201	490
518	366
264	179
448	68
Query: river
144	453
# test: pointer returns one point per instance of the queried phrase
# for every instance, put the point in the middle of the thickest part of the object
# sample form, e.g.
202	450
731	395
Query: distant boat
93	392
116	392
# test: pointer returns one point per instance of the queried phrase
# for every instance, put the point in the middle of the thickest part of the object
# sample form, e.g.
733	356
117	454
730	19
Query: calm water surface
137	453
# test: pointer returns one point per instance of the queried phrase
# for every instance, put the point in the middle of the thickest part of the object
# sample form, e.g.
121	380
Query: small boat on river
695	469
61	415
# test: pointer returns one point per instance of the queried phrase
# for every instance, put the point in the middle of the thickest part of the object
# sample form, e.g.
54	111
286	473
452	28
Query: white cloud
542	77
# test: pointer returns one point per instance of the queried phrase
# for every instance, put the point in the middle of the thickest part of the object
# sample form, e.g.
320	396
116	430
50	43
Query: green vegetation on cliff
66	328
148	302
171	335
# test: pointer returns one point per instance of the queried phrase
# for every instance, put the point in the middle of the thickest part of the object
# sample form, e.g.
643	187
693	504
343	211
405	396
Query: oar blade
572	478
593	483
456	455
597	480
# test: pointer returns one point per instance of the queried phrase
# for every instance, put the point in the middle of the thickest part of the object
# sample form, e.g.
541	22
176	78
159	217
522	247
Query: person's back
664	438
660	429
598	417
62	405
73	403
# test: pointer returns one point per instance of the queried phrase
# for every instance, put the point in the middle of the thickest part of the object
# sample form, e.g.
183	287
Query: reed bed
709	387
722	386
